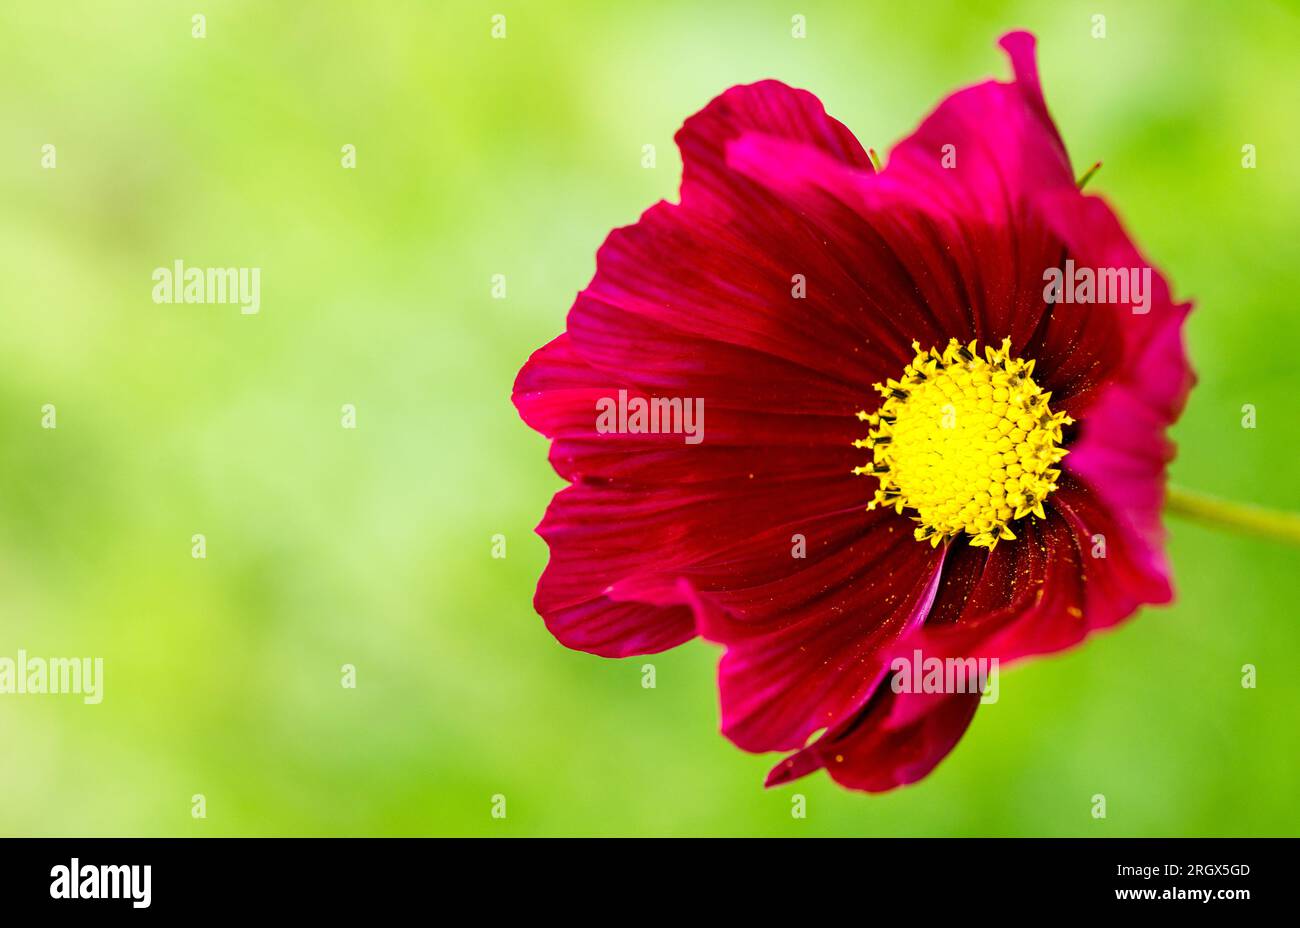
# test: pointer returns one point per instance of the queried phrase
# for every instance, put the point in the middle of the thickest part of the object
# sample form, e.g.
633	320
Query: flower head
925	434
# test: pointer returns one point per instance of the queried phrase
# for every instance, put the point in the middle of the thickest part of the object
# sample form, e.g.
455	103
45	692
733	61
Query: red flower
1002	497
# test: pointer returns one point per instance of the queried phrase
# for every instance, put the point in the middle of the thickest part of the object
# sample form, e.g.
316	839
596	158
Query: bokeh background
372	546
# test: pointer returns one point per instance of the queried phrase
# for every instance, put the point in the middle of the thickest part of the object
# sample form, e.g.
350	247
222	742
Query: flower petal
804	652
618	542
1043	592
1121	451
983	158
1020	598
880	748
768	107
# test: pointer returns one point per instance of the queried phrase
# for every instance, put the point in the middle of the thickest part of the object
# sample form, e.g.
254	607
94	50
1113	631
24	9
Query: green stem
1253	520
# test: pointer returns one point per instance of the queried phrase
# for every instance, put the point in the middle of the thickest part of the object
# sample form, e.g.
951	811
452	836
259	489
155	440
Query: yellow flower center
967	443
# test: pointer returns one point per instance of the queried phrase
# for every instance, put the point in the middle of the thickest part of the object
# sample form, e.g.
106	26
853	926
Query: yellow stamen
967	443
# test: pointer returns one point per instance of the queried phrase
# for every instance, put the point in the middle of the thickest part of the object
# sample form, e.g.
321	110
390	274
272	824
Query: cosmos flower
912	443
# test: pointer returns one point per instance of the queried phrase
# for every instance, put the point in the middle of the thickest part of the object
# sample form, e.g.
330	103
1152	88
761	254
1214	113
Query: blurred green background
372	546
